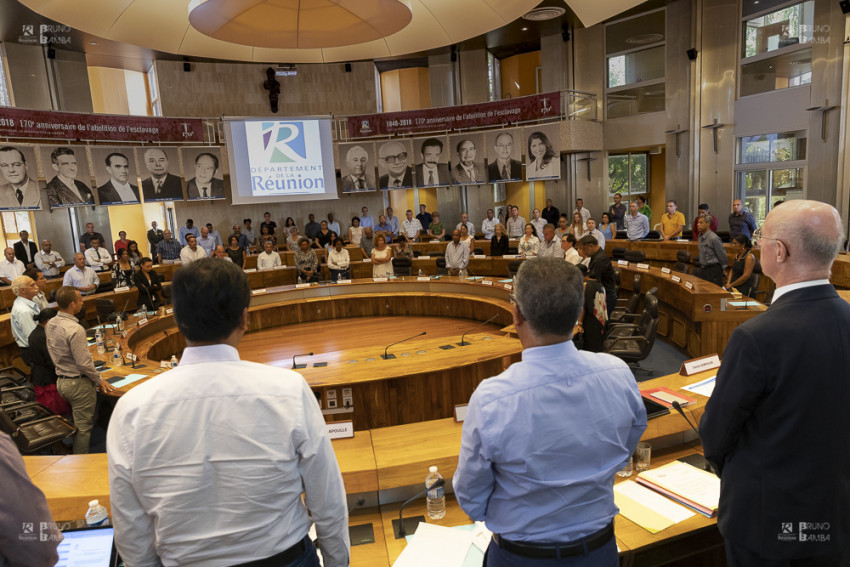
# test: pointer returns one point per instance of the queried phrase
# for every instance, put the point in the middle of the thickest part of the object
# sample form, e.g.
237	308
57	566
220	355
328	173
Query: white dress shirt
12	269
78	278
572	256
189	255
208	463
99	259
597	234
780	291
552	248
42	260
538	225
23	323
338	260
267	261
457	257
488	227
469	225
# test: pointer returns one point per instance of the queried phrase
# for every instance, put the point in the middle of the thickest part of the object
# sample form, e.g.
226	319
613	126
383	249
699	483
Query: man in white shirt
568	245
585	214
206	241
81	276
410	227
212	465
269	258
10	267
549	245
192	251
488	226
220	254
48	260
23	311
457	256
464	219
595	232
537	222
516	224
98	258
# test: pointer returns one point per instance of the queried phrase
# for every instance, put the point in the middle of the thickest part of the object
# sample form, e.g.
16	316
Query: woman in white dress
466	238
578	228
529	244
382	258
543	161
355	232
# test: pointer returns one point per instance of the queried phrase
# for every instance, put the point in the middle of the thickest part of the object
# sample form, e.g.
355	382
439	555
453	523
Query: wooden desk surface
71	482
370	554
356	461
37	463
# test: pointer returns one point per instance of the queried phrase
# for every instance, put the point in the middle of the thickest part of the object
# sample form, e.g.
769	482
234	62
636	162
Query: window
13	223
635	65
5	100
153	88
776	48
769	168
628	174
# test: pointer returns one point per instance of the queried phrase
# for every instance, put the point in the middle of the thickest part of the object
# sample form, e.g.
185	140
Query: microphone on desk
398	525
299	366
386	356
678	407
464	343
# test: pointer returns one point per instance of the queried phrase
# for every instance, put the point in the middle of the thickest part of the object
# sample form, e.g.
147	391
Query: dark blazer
216	188
149	290
601	269
348	183
496	175
460	177
107	194
406	181
43	369
172	189
442	172
21	252
776	427
59	194
499	246
155	237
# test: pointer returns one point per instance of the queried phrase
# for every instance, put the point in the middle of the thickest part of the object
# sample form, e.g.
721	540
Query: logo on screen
284	142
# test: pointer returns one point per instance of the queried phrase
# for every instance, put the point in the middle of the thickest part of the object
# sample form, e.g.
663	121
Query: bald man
360	175
161	185
776	426
395	158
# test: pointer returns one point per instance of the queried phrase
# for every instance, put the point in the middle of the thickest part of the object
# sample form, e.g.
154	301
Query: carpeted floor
664	359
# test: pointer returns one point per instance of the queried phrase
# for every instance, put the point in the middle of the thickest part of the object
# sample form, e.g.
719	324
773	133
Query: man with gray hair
532	476
780	404
24	309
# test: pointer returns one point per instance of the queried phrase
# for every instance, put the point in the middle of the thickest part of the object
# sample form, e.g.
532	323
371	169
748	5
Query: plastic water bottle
173	361
116	356
421	273
119	322
101	346
436	496
96	515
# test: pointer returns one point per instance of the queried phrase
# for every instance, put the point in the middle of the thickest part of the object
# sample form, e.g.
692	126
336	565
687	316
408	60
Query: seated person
339	261
306	262
150	284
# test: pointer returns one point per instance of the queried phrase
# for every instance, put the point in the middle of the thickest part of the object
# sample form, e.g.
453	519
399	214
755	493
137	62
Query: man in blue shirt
741	221
543	440
365	219
637	224
190	228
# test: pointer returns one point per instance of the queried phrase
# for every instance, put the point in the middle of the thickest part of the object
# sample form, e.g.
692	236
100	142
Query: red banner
19	123
510	111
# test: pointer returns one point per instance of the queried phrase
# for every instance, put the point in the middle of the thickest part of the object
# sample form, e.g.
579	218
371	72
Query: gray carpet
664	359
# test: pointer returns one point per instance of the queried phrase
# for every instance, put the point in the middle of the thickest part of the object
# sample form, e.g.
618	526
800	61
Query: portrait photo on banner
357	167
159	168
467	159
19	186
543	152
115	175
394	164
432	161
202	172
66	169
504	155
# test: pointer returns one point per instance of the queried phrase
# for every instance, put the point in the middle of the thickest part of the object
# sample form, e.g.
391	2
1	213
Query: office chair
652	235
401	266
35	435
441	266
632	343
618	253
634	256
513	267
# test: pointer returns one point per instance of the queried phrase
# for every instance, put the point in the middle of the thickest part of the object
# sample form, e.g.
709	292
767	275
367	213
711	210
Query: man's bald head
811	228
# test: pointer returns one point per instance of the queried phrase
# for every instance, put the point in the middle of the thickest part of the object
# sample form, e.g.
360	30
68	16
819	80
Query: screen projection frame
239	163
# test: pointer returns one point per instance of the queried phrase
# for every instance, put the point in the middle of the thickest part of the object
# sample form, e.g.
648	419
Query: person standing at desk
712	255
532	476
776	426
208	461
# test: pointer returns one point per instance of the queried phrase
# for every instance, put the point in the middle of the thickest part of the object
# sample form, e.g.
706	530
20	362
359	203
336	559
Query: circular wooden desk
428	376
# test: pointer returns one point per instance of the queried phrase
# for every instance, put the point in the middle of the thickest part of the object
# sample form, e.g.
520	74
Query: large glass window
635	65
776	50
770	168
628	174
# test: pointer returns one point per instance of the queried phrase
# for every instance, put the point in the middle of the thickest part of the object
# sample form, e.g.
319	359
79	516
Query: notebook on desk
88	547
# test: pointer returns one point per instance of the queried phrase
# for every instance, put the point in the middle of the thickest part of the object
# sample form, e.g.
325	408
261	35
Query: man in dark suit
360	177
399	175
432	172
776	426
468	171
118	189
155	236
161	185
204	185
25	249
503	168
65	188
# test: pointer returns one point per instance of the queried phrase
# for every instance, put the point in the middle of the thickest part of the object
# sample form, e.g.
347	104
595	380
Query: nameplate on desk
143	321
278	267
434	241
367	260
622	263
132	357
665	270
487	282
249	270
165	364
343	281
643	266
259	291
511	256
460	412
301	285
122	288
340	429
479	256
508	286
697	365
124	334
423	278
380	279
424	258
689	285
169	311
676	279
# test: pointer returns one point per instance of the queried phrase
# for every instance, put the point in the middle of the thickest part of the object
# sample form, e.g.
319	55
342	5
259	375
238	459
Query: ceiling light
524	29
301	24
544	13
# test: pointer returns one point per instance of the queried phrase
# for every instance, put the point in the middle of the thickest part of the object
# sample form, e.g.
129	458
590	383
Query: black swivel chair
401	266
634	256
32	436
441	266
633	342
618	253
513	267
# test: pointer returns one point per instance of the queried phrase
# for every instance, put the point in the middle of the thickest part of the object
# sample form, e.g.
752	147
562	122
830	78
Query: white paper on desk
650	505
703	387
696	485
481	536
435	545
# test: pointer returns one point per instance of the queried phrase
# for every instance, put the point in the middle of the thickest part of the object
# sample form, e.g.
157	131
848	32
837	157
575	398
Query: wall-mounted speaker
845	6
692	53
348	67
187	67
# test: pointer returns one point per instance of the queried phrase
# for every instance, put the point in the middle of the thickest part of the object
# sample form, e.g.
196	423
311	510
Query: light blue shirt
367	221
23	323
636	227
543	440
334	226
208	244
81	278
181	234
393	222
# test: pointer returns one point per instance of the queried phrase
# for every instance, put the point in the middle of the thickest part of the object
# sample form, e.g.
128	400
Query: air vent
544	13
